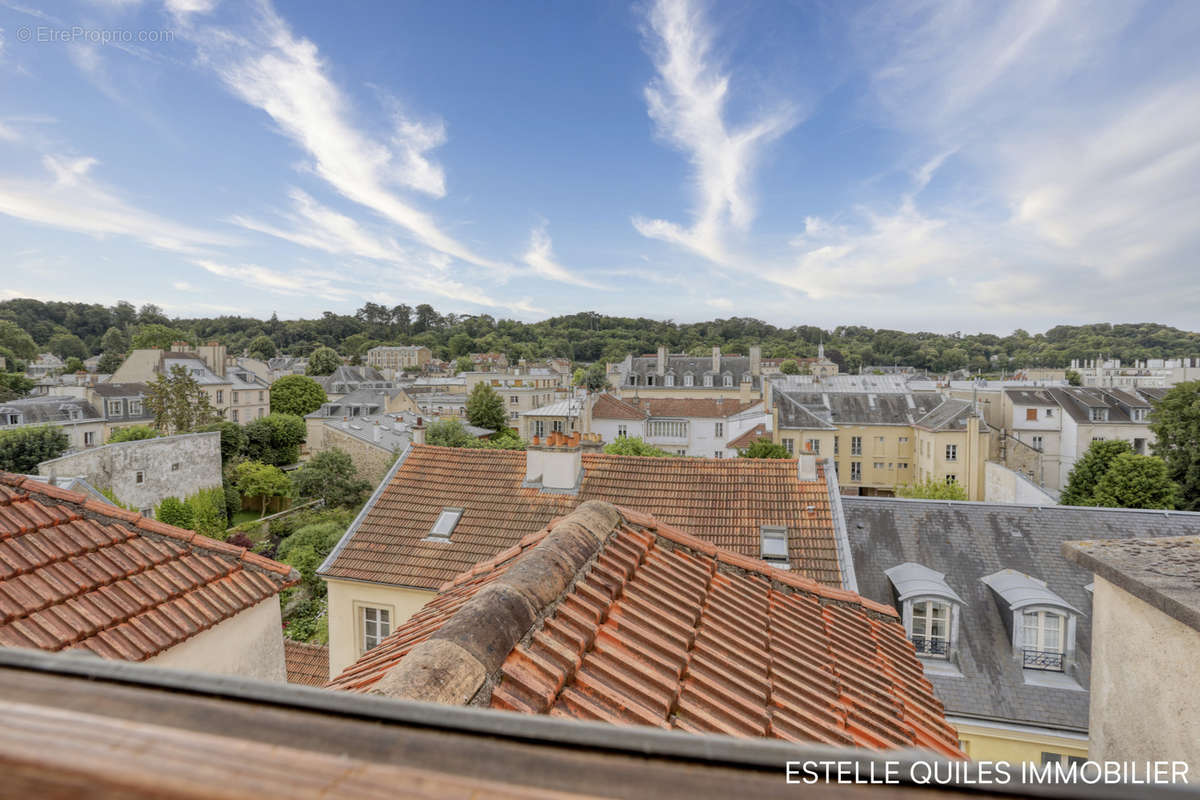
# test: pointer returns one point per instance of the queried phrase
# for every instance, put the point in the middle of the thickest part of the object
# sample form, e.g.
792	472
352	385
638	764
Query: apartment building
1150	373
234	391
77	418
521	391
398	358
698	427
682	375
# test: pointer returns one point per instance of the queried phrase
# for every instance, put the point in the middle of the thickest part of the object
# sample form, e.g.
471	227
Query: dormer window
1098	414
775	545
446	522
689	380
708	380
670	380
930	627
929	608
727	380
1044	640
1042	624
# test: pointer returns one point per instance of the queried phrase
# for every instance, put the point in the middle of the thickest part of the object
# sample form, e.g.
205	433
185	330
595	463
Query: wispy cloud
540	258
687	101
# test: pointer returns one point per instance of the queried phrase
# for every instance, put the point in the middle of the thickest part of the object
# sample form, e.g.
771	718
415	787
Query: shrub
133	433
21	450
174	511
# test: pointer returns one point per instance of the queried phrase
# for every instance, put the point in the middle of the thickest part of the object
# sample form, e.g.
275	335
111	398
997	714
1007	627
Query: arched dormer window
929	609
727	380
708	379
1041	623
689	379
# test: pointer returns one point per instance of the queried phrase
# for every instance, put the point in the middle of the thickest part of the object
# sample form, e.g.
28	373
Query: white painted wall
346	599
248	645
1003	485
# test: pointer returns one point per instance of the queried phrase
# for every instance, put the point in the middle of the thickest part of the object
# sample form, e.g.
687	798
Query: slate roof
307	664
826	410
79	574
724	501
968	541
609	406
42	410
345	380
610	615
571	407
119	389
950	415
699	366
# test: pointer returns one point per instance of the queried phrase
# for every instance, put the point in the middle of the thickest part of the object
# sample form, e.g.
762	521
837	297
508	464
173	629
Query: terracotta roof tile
608	406
701	407
655	630
307	664
722	501
77	573
748	438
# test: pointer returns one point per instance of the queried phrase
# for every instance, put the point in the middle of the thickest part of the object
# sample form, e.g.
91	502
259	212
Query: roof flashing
913	580
444	525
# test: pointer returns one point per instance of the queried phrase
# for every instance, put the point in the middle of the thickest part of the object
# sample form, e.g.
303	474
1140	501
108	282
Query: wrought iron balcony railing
1043	659
929	646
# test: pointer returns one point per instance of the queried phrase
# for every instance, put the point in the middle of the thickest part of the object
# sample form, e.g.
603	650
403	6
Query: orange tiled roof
649	625
723	501
702	407
609	406
748	438
78	573
307	664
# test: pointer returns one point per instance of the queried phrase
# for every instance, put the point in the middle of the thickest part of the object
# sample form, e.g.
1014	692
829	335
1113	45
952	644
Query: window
260	412
513	400
377	624
1139	414
813	446
649	380
1037	443
717	454
1097	438
951	479
708	380
878	465
114	407
789	445
235	394
1049	413
903	440
175	467
444	525
220	396
670	380
260	397
856	445
557	426
835	445
1031	415
14	419
148	513
139	477
952	452
719	429
689	380
234	415
774	545
622	430
89	439
902	465
727	380
1043	635
1098	414
539	427
931	627
856	470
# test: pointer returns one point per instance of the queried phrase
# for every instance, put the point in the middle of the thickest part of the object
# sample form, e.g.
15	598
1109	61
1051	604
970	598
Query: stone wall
370	460
169	466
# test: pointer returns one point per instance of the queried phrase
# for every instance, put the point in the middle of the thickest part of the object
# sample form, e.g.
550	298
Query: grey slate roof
698	366
950	415
968	541
42	410
854	408
120	389
344	380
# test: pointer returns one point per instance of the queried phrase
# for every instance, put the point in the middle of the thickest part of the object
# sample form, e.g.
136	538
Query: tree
1175	423
323	361
274	439
72	366
1134	481
464	364
1074	378
14	385
68	345
109	363
160	336
261	347
447	433
18	341
596	377
790	367
178	403
933	490
265	481
578	376
133	433
331	476
634	446
233	438
296	394
1088	470
764	448
114	341
485	408
174	511
21	450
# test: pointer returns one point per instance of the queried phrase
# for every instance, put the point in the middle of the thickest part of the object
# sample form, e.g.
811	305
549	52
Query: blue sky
937	166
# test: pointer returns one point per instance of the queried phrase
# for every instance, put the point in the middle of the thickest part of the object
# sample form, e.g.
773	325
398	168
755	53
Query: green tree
448	433
464	364
790	367
274	439
485	408
1134	481
264	481
578	376
14	385
22	449
178	403
132	434
18	341
174	511
296	394
114	341
764	448
160	336
1175	422
933	490
233	439
68	345
1088	470
109	363
331	476
323	361
596	377
1074	378
72	366
261	347
634	446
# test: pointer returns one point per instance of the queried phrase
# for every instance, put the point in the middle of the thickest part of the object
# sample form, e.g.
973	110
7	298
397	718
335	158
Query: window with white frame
856	445
952	452
774	545
376	625
789	445
727	380
835	445
557	426
1043	640
539	427
689	380
220	396
931	627
856	470
1037	443
444	525
708	380
813	446
951	479
622	430
719	429
89	439
670	380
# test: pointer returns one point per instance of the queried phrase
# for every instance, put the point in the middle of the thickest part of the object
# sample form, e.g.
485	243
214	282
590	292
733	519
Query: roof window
929	609
775	545
445	525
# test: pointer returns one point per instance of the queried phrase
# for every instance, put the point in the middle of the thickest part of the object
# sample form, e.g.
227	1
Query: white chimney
716	365
662	360
555	462
808	467
755	360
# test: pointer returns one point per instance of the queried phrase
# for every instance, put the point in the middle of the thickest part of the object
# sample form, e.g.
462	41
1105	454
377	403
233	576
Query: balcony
1050	660
929	646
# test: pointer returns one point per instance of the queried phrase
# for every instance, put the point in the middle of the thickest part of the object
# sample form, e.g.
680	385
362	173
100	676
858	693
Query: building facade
398	358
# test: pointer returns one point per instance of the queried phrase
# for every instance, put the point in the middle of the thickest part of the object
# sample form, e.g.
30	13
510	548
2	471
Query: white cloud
276	281
7	134
540	258
183	286
74	201
722	303
687	103
182	9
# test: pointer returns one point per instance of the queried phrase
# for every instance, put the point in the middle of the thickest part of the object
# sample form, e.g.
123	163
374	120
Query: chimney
418	432
554	462
807	467
716	367
377	433
662	360
591	442
756	360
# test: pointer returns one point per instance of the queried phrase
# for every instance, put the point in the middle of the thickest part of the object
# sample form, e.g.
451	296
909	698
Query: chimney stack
555	462
756	360
716	364
662	360
807	467
418	432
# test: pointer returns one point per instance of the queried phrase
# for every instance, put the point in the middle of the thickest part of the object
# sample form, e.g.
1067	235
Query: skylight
445	524
775	545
